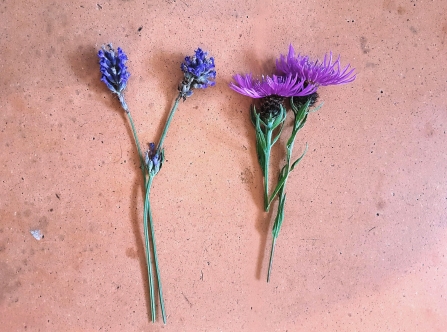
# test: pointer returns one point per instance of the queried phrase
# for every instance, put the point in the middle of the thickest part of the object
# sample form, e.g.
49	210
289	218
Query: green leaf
261	158
299	159
259	131
260	138
280	216
261	155
279	133
282	179
301	111
269	124
253	115
300	115
300	124
292	104
315	109
261	144
280	118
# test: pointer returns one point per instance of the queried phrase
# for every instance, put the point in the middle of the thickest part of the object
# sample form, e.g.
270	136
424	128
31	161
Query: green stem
168	121
272	252
148	253
146	207
154	247
266	169
284	175
137	143
289	146
135	136
278	222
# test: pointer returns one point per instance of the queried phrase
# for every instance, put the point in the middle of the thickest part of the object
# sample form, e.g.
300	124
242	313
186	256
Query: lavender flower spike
283	86
198	72
315	73
114	71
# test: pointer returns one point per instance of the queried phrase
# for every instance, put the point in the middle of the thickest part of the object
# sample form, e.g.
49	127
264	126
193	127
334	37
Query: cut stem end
272	252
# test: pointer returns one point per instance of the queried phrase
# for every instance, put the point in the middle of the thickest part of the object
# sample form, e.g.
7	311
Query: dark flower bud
300	101
270	107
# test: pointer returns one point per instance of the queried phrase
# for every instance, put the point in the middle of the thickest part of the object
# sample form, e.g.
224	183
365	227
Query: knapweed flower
315	73
282	86
272	90
153	159
198	71
113	69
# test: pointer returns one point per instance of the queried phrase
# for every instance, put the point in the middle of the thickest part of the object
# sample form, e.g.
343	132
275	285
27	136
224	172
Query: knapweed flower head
113	69
271	90
153	159
315	73
198	71
275	85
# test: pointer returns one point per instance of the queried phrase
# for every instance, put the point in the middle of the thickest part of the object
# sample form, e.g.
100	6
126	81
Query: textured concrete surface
364	243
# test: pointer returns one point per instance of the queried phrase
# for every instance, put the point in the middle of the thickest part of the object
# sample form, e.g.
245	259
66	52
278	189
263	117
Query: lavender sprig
115	76
198	71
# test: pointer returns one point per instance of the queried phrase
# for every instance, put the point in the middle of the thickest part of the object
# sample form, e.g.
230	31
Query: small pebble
37	234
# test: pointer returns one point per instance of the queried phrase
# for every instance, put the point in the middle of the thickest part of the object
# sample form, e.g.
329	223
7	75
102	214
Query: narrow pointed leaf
301	124
282	179
299	159
280	118
253	115
299	112
279	134
315	109
280	216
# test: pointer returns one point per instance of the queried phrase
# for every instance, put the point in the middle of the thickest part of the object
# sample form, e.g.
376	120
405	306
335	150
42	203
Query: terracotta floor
364	242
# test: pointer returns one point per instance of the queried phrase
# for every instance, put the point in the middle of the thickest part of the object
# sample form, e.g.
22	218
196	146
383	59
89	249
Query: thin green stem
266	169
290	144
148	254
168	121
135	136
272	252
281	189
137	143
146	207
154	248
278	221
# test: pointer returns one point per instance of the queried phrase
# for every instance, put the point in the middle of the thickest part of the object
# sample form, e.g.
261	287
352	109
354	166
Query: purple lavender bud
154	159
198	72
113	69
